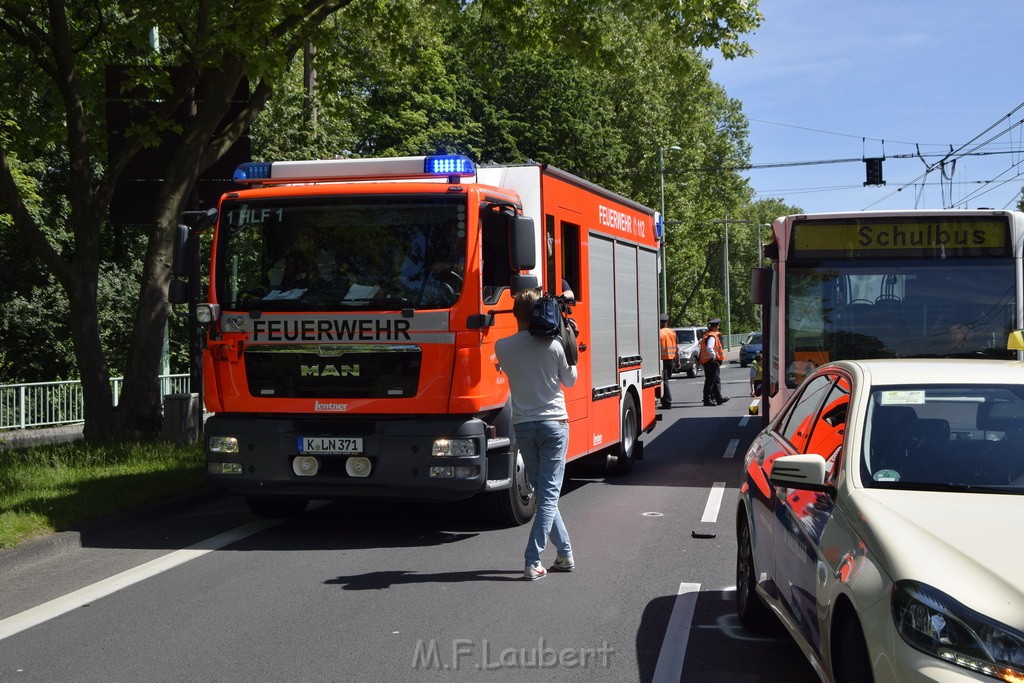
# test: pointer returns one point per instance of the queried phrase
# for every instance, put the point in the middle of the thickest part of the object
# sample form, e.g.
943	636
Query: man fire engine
352	313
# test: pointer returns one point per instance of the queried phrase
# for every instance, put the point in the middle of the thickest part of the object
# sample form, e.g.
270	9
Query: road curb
44	547
41	548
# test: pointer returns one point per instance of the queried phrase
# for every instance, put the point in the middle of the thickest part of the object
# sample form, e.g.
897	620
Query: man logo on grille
329	370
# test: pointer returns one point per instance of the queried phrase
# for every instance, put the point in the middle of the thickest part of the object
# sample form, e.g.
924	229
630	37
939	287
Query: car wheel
695	368
752	612
853	665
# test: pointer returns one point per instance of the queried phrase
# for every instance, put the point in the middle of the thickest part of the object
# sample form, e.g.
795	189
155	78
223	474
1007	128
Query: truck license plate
329	445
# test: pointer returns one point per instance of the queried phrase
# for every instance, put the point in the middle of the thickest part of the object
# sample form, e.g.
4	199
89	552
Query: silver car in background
688	356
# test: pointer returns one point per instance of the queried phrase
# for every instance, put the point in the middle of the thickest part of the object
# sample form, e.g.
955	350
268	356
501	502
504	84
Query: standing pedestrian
537	370
756	375
669	351
712	355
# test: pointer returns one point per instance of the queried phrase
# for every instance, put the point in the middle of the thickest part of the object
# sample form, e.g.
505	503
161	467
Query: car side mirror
802	471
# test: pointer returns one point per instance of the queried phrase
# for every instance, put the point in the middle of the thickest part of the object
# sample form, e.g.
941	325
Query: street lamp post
664	231
725	277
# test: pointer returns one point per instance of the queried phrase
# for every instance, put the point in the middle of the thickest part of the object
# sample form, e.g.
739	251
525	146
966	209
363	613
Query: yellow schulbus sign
908	238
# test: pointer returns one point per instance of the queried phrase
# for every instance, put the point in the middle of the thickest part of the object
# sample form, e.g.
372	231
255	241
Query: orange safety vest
669	348
705	355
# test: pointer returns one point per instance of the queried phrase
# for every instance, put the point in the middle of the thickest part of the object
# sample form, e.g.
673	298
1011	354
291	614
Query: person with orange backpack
712	355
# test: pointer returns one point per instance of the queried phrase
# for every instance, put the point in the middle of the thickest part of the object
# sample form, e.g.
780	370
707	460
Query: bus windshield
341	253
892	308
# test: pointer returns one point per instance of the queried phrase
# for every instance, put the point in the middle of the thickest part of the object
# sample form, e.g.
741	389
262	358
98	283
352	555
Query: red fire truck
352	313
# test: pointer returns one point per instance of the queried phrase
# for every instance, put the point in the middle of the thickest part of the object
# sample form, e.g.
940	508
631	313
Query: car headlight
938	625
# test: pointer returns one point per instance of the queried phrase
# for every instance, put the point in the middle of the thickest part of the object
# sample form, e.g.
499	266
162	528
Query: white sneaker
534	571
563	564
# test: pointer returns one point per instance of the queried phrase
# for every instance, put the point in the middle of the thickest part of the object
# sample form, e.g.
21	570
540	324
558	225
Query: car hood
964	544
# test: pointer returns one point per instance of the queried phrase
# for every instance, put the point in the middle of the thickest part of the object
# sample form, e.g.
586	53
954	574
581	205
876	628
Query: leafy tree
207	48
406	92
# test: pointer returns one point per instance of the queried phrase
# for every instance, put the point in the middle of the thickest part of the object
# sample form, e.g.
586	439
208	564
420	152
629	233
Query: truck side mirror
522	248
177	292
521	282
179	257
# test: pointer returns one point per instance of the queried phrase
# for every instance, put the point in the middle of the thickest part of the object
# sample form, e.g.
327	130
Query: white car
880	519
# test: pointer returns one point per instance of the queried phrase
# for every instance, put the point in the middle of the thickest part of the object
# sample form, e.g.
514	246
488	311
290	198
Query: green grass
60	486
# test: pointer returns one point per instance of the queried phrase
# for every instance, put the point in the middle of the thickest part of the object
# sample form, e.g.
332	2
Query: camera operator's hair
523	305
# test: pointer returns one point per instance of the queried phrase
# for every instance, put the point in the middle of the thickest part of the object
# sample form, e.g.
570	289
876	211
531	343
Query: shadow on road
387	579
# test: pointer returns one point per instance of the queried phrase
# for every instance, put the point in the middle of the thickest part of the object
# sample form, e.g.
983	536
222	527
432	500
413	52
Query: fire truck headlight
447	472
207	313
223	444
453	447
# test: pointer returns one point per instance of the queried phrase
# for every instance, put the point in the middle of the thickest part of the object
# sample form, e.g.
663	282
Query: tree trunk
97	396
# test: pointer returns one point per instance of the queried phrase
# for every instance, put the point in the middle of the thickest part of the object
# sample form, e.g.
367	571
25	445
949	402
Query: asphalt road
385	591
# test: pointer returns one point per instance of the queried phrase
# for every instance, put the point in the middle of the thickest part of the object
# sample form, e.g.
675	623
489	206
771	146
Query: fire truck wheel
266	506
517	504
626	455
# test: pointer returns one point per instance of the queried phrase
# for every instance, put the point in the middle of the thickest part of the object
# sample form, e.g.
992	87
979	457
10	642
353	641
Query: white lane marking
83	596
744	420
714	503
669	668
730	450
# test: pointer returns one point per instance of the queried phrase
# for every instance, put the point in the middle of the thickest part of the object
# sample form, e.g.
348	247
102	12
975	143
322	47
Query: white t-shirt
537	370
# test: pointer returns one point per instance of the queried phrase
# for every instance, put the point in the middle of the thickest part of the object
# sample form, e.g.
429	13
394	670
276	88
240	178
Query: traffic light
873	170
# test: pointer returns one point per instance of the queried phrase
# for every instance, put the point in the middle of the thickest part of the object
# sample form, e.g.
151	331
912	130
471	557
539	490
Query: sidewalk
22	438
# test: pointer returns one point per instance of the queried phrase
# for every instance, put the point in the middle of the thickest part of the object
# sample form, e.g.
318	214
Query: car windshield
341	253
686	336
945	437
753	338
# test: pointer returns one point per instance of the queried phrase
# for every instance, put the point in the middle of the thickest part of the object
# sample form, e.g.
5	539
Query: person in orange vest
669	350
712	355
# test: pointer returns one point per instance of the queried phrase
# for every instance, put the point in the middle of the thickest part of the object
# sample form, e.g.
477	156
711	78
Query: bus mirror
1015	342
522	247
761	286
179	258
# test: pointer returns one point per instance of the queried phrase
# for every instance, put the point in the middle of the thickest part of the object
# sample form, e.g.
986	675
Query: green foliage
593	87
35	318
58	487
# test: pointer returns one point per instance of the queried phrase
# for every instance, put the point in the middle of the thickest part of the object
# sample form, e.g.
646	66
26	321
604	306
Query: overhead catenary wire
959	153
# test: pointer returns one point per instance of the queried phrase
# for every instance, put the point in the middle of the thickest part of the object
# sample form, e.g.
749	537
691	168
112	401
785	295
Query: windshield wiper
953	487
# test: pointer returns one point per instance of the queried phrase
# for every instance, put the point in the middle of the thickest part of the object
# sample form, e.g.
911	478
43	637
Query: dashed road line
669	668
714	503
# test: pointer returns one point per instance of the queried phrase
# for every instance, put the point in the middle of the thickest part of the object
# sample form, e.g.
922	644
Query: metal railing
47	404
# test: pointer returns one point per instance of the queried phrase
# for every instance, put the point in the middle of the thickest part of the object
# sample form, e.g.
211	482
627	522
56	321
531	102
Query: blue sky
831	79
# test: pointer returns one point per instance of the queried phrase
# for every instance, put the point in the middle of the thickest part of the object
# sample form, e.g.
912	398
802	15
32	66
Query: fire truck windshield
341	253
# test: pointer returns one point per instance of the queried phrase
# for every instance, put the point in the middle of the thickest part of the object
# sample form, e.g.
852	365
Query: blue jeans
543	445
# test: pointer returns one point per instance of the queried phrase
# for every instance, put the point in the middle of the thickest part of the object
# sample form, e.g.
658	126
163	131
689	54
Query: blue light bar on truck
253	170
394	168
448	164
